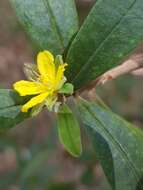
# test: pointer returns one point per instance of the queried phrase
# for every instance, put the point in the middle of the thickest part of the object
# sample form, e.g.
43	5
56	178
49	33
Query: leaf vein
117	144
54	24
84	68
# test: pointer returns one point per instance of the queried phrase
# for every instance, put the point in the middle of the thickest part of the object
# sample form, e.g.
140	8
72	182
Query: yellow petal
47	81
60	74
45	62
29	88
34	101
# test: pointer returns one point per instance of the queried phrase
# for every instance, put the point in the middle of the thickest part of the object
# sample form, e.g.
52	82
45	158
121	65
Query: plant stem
130	66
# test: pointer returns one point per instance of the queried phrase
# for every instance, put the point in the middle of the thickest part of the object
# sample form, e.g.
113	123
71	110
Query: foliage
45	22
114	140
10	109
112	30
69	132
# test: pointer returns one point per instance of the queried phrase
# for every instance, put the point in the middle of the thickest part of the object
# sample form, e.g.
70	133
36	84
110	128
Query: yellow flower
49	80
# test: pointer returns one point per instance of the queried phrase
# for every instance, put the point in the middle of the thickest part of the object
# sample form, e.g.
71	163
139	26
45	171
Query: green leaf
67	88
112	30
118	145
10	109
69	131
50	24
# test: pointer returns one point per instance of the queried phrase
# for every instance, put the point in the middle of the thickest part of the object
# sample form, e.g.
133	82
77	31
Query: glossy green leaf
118	145
67	88
110	32
69	131
50	24
10	109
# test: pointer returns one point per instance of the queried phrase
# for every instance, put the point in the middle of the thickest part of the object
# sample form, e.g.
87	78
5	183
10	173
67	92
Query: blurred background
31	157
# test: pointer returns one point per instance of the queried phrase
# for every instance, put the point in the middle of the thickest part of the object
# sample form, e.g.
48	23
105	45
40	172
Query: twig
130	66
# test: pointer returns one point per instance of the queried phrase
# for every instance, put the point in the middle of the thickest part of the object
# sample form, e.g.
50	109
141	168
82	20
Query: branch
133	65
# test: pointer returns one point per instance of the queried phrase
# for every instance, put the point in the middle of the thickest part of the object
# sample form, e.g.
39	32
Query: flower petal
60	75
29	88
45	63
34	101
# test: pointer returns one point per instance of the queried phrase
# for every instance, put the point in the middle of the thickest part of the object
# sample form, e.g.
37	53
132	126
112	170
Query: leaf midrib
117	145
54	24
102	44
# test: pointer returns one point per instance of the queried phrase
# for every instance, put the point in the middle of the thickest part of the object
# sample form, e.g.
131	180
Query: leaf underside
69	131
